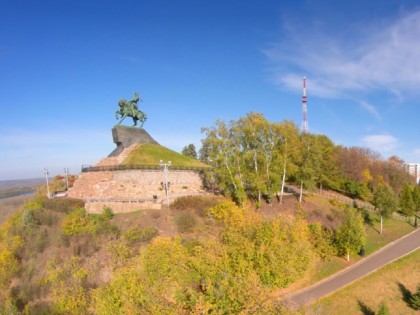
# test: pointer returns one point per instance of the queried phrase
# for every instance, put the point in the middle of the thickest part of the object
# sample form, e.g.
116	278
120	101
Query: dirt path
387	254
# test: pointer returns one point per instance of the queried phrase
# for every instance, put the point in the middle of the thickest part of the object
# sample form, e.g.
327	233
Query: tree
325	165
288	150
259	142
415	299
190	151
322	241
306	163
224	151
383	309
385	202
350	235
416	199
406	201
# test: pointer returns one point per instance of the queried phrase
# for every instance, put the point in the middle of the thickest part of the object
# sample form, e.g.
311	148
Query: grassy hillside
389	284
151	154
57	259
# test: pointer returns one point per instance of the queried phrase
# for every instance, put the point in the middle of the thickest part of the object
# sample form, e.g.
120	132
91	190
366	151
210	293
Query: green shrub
322	240
185	221
79	222
415	299
140	234
107	213
383	309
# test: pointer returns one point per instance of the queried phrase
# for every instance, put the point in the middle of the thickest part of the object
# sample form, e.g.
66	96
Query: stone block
126	136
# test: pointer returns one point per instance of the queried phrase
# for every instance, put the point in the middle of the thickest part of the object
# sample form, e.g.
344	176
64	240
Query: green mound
151	154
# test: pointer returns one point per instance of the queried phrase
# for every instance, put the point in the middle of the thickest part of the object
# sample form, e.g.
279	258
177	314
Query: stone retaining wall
130	190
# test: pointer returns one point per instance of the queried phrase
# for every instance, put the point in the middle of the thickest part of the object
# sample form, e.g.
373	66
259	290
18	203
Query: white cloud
381	143
383	60
370	108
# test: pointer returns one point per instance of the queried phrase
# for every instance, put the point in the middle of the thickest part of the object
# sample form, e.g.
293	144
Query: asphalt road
387	254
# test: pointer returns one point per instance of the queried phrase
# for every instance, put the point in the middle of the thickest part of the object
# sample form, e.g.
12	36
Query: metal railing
89	168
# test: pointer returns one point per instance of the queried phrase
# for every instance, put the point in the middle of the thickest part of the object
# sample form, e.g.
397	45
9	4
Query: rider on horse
130	109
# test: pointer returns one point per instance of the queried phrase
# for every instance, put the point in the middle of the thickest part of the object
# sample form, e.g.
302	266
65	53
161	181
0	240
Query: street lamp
48	186
165	168
66	172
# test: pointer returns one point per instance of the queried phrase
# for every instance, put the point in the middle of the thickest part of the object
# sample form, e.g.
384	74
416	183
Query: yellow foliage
77	222
228	213
35	204
119	251
367	177
66	281
9	264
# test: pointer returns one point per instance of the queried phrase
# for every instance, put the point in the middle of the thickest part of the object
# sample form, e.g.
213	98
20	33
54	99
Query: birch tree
385	202
350	235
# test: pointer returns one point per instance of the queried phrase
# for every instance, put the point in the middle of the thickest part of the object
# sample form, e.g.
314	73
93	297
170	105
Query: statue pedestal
126	136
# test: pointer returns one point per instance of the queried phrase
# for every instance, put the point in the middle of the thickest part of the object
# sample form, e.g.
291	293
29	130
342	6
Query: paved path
380	258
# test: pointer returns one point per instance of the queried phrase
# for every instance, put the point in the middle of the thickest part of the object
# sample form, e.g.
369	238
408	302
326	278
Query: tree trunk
282	183
381	225
301	191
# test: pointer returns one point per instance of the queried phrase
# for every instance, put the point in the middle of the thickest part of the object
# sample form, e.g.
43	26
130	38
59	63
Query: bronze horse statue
130	109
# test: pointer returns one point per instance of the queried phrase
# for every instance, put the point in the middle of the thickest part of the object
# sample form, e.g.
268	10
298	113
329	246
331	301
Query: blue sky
65	64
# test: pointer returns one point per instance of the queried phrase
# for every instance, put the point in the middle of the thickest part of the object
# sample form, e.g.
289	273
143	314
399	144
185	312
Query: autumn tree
224	151
407	204
190	151
350	235
325	166
385	202
306	163
288	151
416	200
259	142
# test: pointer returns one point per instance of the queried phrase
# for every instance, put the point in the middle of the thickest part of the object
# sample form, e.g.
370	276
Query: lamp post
48	186
66	172
165	168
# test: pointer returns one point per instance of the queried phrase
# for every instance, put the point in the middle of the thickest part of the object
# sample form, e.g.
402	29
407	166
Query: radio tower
304	108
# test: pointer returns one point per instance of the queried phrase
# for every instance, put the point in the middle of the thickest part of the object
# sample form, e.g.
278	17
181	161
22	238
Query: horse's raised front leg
122	118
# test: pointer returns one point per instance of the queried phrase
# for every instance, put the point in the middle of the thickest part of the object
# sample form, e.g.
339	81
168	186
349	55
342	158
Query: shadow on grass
406	294
366	310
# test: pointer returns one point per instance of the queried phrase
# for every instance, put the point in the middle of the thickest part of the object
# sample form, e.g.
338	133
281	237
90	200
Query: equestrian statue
130	109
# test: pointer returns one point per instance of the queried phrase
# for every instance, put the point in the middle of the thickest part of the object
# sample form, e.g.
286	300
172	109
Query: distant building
414	170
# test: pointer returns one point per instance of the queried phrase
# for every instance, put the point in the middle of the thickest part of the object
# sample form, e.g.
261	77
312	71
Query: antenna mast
304	108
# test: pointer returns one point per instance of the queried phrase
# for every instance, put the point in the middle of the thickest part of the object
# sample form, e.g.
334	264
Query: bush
197	203
140	234
415	299
120	252
185	221
65	205
107	213
228	213
79	222
322	240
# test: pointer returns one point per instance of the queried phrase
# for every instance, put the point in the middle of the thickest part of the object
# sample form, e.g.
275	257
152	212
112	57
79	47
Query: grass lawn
388	284
151	154
392	230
